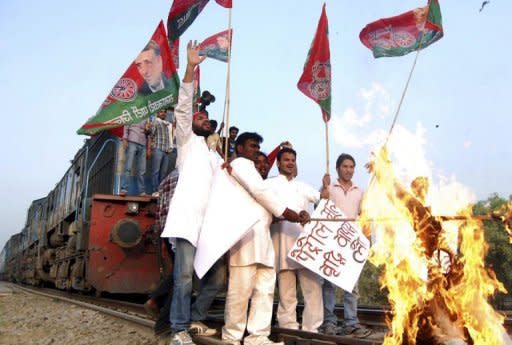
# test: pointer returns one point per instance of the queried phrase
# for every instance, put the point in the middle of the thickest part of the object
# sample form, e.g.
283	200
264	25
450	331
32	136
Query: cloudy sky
60	59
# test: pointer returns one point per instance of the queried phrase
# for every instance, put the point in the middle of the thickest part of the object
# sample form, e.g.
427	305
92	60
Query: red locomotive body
123	246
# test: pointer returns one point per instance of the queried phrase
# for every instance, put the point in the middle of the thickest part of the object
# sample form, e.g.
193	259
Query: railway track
134	312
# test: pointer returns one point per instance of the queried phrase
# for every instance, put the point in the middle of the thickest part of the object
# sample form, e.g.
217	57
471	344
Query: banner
182	15
222	228
336	251
407	32
216	46
148	85
315	81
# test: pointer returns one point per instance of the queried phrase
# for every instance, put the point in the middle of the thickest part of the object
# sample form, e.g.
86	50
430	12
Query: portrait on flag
335	250
150	67
149	84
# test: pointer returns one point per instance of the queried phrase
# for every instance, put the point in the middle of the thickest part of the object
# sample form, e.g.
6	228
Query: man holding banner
298	196
347	197
196	164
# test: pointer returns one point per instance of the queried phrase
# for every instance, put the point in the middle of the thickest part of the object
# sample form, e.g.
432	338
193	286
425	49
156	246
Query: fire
436	293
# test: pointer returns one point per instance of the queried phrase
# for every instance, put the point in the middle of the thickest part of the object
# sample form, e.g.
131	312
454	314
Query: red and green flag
175	52
149	84
315	81
225	3
182	15
407	32
216	46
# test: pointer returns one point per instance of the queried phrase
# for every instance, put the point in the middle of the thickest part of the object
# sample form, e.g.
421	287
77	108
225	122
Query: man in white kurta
252	274
196	164
297	196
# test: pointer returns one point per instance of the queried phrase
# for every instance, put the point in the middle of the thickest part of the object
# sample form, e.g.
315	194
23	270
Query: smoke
364	125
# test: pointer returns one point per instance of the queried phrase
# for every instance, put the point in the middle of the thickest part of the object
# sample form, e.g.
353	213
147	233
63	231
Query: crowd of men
259	259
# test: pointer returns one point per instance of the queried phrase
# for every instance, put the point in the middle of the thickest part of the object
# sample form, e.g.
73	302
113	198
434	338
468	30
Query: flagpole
326	147
225	117
403	94
372	180
408	78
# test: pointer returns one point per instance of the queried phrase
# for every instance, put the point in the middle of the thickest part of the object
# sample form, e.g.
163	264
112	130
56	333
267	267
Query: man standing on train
196	164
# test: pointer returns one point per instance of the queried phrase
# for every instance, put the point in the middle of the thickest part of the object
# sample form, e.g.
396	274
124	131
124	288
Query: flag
407	32
182	15
271	157
175	52
225	3
149	84
216	46
315	81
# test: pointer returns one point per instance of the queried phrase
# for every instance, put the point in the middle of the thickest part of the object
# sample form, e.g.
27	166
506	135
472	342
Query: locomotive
83	236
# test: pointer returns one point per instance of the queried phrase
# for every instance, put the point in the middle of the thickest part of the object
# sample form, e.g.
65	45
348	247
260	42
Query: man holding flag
196	164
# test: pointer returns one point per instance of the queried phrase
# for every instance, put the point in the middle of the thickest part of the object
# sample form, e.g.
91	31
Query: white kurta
252	274
256	246
196	164
297	196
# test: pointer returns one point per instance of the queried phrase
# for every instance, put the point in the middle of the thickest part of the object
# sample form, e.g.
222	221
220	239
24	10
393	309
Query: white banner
335	250
230	214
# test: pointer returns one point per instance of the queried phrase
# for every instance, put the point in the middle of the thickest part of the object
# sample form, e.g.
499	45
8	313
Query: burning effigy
433	266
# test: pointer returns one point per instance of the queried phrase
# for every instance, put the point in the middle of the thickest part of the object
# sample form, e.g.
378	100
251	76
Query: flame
435	293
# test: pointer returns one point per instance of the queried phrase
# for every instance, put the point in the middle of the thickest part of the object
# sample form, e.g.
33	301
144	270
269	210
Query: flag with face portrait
182	15
407	32
216	46
149	84
315	81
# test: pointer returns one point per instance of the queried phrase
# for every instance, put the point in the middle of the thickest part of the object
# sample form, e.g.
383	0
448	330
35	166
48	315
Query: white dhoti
311	287
255	282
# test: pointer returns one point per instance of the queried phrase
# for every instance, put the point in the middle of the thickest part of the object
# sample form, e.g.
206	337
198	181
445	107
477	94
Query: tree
499	255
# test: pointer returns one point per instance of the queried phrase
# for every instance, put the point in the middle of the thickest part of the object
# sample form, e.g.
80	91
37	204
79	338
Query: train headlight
132	207
126	233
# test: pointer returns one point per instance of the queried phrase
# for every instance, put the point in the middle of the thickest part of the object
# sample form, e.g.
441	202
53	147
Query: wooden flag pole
408	80
225	117
403	94
326	147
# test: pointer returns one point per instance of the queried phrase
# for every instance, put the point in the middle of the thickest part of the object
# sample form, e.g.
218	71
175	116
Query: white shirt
196	164
256	246
297	196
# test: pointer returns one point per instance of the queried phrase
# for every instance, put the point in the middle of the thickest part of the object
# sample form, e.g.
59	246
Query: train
83	236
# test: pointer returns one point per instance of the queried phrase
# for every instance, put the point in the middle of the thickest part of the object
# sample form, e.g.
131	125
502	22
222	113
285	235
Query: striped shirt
161	133
165	193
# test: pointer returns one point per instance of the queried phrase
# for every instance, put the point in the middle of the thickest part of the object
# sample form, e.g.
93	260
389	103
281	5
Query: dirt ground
37	320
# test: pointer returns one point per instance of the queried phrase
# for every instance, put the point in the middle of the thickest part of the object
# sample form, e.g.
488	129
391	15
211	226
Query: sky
60	59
